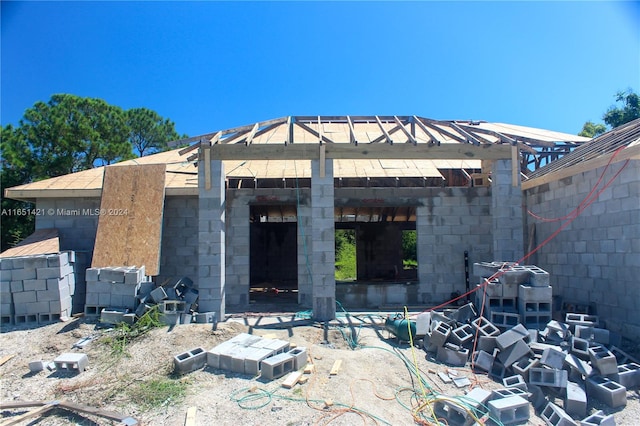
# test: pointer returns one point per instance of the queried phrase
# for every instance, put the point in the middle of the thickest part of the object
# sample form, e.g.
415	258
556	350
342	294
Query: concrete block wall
37	289
238	247
595	259
179	250
305	287
507	214
74	218
451	221
211	238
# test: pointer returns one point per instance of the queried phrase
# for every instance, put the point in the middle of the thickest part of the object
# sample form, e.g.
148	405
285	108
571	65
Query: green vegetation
409	249
124	333
616	115
346	255
158	392
69	134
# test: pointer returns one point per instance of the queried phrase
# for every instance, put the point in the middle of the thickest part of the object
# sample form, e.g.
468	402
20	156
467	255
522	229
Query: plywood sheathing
130	221
42	241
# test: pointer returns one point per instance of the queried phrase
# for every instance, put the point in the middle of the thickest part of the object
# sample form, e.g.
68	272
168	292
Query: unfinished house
256	208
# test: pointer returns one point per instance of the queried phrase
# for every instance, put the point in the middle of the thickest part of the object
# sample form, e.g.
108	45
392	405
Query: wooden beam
313	132
435	125
29	414
322	160
384	131
424	128
352	133
629	153
471	138
319	130
405	131
207	167
448	151
477	129
515	166
289	139
251	134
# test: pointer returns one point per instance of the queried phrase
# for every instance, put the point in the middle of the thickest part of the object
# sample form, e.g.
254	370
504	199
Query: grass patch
158	392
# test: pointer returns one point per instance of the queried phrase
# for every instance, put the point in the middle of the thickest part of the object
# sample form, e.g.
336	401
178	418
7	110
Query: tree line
69	134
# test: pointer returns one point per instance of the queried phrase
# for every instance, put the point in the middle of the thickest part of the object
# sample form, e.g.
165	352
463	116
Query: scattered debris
44	407
336	367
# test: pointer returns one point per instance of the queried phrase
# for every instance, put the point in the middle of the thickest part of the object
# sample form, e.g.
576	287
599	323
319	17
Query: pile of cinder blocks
37	289
570	360
114	287
245	354
514	294
124	294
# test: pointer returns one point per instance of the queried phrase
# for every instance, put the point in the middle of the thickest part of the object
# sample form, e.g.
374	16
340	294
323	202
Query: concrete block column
507	213
237	256
322	254
305	287
211	238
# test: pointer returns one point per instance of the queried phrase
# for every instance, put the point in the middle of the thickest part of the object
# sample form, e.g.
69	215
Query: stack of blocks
113	287
514	294
38	288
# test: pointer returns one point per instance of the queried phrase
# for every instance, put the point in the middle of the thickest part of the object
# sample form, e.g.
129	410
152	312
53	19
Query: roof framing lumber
313	132
405	131
352	133
366	151
384	132
425	129
433	125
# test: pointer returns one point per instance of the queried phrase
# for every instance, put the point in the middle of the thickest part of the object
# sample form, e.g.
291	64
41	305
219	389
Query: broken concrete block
189	361
76	362
611	393
510	410
556	416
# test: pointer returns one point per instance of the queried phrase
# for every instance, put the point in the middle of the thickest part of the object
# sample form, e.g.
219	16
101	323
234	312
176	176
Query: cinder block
515	381
538	277
92	274
575	400
524	364
514	352
206	317
35	366
213	355
440	334
537	397
158	295
548	377
580	347
510	410
507	392
452	354
485	327
189	361
276	366
603	360
581	319
71	362
581	367
552	357
254	358
527	293
482	360
46	273
112	274
611	393
598	419
514	276
24	297
486	343
112	315
299	355
172	306
556	416
462	335
628	375
505	320
511	336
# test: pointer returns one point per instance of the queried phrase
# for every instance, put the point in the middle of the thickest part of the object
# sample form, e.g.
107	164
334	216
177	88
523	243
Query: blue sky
215	65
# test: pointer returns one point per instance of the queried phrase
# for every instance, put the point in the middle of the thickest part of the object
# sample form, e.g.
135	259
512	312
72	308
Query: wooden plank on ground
42	241
336	367
130	220
29	414
190	420
292	379
6	358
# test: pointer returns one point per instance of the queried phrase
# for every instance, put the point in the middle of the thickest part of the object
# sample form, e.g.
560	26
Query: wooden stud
6	358
384	131
292	379
322	160
190	419
352	133
336	367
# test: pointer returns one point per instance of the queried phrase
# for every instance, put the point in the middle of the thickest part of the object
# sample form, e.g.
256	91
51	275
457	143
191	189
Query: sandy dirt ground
375	383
